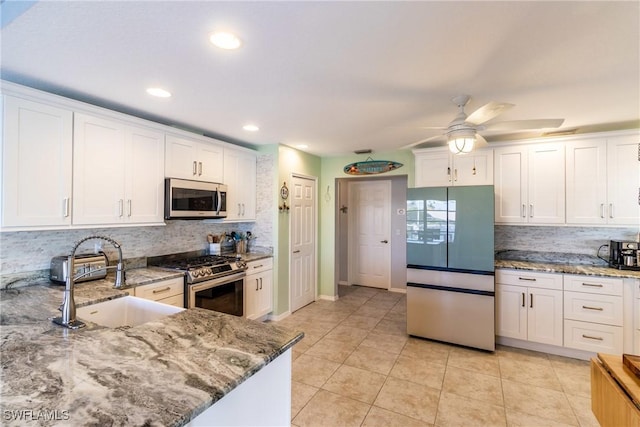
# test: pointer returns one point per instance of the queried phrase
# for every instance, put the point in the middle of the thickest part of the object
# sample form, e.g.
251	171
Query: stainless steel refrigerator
450	265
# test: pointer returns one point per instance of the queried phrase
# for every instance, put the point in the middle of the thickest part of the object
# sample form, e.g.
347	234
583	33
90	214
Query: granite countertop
164	372
555	262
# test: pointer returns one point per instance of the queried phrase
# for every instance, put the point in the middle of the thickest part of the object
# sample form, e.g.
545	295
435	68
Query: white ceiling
337	76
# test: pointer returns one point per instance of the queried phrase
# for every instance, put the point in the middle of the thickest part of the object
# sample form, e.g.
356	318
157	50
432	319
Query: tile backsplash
575	240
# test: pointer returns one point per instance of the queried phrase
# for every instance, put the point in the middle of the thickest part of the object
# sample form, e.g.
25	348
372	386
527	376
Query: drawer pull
531	300
593	285
523	303
159	291
528	279
592	338
258	266
586	307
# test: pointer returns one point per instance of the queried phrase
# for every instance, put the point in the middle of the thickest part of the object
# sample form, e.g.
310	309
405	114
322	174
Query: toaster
95	265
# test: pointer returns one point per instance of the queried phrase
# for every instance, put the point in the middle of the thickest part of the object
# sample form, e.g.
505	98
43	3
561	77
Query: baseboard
278	317
328	297
398	290
546	348
343	283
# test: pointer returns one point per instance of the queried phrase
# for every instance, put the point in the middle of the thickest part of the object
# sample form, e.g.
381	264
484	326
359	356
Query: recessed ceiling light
159	92
225	40
251	128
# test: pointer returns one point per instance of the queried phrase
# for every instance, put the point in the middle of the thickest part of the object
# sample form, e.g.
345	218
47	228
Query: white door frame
315	227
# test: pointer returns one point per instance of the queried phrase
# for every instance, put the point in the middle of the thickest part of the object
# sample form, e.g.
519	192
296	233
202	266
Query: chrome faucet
68	307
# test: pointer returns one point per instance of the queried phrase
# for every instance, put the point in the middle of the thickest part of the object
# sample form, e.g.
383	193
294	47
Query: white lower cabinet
170	291
593	313
258	288
529	306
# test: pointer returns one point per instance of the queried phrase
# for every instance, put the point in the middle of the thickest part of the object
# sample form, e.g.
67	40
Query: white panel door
36	177
511	185
370	233
302	277
511	312
546	184
474	168
544	322
180	158
210	162
432	169
623	169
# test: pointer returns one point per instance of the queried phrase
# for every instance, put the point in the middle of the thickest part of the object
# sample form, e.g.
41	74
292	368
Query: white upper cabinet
529	184
36	164
440	168
623	180
603	180
190	158
240	178
118	172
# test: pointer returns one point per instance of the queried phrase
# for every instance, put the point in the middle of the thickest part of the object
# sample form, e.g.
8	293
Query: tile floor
357	367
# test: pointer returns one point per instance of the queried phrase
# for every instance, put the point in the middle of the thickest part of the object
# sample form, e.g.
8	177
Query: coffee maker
624	255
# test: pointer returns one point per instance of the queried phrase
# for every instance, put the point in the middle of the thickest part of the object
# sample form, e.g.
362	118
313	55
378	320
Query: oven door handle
197	287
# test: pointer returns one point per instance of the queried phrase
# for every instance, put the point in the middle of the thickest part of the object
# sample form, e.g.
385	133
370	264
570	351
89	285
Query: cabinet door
144	199
432	169
586	182
180	156
251	295
234	192
546	184
475	168
98	171
511	312
265	304
210	162
247	185
510	178
544	317
623	169
37	164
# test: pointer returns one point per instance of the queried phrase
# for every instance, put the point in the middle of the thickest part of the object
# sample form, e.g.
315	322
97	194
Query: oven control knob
241	264
207	272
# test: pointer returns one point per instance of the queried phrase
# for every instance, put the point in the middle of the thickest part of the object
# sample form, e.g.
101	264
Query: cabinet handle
256	284
523	303
195	167
531	301
129	207
120	208
611	215
238	209
296	251
65	207
261	283
524	210
528	279
455	174
243	209
586	307
159	291
589	337
593	285
531	210
199	168
601	210
257	266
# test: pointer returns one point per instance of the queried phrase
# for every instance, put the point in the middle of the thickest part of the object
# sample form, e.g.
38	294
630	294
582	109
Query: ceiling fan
462	133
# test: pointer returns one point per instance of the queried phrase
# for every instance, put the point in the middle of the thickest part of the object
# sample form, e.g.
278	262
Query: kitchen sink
125	312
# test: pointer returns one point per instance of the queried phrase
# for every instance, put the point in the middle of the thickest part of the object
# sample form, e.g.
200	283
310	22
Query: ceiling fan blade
413	144
480	141
488	112
433	127
525	124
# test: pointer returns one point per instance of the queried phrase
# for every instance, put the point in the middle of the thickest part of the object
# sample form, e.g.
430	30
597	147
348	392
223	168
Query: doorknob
384	241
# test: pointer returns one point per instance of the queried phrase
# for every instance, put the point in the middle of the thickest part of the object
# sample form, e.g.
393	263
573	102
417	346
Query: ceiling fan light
461	145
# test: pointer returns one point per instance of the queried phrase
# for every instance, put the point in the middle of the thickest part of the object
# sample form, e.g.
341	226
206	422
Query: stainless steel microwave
186	199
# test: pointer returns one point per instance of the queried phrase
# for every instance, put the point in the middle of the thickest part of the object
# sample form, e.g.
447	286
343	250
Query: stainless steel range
212	282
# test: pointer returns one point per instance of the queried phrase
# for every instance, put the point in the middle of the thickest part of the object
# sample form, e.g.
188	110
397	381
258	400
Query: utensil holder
214	248
241	246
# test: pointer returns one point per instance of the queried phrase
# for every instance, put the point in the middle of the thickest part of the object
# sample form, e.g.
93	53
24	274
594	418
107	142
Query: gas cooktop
199	268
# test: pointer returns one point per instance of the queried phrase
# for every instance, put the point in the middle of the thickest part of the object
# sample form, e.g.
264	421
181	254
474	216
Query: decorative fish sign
371	167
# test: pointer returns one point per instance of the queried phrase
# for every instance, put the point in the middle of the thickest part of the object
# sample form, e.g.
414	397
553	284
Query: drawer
604	309
593	285
528	278
175	300
593	337
259	265
160	290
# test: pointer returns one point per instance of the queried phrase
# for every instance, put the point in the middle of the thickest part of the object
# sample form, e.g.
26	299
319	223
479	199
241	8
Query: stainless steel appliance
624	255
186	199
212	282
89	266
450	265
